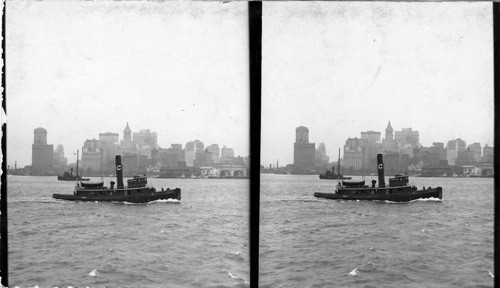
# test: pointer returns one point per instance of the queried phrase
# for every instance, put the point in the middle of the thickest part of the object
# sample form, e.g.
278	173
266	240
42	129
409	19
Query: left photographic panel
127	144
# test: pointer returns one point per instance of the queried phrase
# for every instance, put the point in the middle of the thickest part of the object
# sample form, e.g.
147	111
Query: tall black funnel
119	171
380	168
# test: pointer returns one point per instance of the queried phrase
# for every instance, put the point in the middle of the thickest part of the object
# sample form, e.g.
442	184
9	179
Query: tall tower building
304	154
476	149
191	149
42	157
302	134
389	132
109	140
215	150
451	152
127	134
92	156
371	142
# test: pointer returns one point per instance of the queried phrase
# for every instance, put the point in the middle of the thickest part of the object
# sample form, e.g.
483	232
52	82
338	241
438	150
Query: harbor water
313	242
201	241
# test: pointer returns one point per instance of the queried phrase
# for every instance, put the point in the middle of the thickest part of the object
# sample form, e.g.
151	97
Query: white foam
93	273
428	199
354	272
491	274
168	200
232	276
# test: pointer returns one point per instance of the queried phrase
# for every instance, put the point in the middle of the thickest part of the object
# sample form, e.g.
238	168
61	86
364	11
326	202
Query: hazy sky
342	68
82	68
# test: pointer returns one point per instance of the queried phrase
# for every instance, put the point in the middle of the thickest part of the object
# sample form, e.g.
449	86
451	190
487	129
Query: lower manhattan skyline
350	67
139	69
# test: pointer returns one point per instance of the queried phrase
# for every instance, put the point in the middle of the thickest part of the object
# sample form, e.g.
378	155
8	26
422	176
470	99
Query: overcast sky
82	68
342	68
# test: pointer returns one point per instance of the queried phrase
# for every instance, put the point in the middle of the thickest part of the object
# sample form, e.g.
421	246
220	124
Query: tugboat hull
142	198
384	195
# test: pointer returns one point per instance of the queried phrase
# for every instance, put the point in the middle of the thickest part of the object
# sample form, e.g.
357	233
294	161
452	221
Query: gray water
201	241
312	242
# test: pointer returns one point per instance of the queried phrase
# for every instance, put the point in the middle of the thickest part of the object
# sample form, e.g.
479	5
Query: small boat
69	176
398	190
330	174
137	190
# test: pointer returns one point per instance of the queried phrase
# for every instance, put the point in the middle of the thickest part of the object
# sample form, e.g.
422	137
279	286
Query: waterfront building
226	155
322	161
304	154
461	145
170	157
434	155
92	156
109	141
372	143
146	138
130	163
392	163
42	157
203	159
191	149
215	150
353	154
60	162
487	154
407	137
476	149
465	157
451	152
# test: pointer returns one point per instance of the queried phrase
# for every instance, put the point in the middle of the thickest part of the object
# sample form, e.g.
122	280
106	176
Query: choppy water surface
311	242
201	241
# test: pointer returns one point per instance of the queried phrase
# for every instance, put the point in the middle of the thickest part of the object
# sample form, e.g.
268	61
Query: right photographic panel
377	145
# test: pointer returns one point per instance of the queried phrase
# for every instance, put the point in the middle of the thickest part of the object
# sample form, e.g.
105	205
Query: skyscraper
215	150
476	149
92	156
42	157
109	140
192	148
226	155
304	154
371	142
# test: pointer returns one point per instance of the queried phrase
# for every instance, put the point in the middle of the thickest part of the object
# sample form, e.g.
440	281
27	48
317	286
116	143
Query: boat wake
166	201
432	199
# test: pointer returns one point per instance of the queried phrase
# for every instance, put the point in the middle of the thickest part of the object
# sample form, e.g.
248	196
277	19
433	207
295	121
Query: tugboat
330	174
398	190
137	190
69	176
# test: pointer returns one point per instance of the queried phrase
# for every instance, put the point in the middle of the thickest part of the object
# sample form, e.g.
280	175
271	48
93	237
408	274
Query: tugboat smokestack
119	172
380	168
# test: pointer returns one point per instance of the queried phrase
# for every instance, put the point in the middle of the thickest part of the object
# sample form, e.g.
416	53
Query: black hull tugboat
398	190
137	190
330	174
69	176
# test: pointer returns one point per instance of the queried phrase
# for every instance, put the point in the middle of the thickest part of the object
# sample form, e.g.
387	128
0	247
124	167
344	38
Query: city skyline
72	154
341	68
78	69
